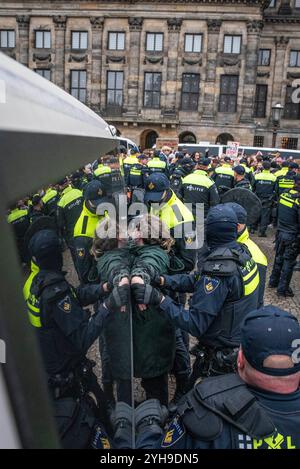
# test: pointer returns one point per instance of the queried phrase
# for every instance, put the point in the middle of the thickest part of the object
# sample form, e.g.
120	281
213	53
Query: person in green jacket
136	260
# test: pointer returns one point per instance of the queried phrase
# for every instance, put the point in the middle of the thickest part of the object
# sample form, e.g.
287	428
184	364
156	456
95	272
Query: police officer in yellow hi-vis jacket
84	231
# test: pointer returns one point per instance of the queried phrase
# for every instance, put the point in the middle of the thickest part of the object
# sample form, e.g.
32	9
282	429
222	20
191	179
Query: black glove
146	295
118	297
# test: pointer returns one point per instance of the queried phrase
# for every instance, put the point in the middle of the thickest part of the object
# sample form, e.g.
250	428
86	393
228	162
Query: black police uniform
287	241
198	188
264	187
244	184
225	413
226	291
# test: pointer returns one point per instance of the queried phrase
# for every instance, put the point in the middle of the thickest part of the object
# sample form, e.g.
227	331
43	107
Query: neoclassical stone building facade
203	70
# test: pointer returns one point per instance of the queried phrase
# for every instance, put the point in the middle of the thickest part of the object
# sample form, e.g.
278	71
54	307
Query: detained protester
137	262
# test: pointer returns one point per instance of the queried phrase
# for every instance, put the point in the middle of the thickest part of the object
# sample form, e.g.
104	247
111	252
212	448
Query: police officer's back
264	187
287	240
103	173
50	200
224	176
19	220
198	188
258	408
240	179
69	208
157	164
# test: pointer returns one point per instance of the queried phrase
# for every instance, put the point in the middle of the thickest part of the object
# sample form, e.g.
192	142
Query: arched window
223	139
187	137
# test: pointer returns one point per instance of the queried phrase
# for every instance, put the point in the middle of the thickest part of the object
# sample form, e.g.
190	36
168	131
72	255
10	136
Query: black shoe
272	285
289	293
281	294
262	235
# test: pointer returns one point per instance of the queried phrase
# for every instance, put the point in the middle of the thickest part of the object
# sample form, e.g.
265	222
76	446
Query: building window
79	39
232	44
291	109
152	86
116	41
44	72
193	43
42	39
264	57
258	141
78	84
114	94
154	42
289	143
190	91
7	38
228	93
295	58
260	100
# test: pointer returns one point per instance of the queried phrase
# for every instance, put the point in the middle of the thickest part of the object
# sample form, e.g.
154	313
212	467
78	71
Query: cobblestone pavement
290	304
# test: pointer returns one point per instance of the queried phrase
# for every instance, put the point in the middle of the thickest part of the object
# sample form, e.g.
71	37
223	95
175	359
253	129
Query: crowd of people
162	298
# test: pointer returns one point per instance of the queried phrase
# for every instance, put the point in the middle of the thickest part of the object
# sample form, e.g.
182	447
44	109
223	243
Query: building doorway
187	137
223	139
148	138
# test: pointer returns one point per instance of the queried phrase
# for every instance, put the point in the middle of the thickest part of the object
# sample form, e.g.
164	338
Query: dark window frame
260	56
117	33
235	95
78	88
152	91
289	143
80	32
148	33
289	106
114	89
190	94
298	58
38	70
201	43
43	31
233	36
258	101
7	31
259	141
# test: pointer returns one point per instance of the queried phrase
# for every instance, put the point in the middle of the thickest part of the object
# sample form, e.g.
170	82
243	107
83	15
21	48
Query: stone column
279	69
214	27
23	26
60	32
135	28
251	59
174	25
95	92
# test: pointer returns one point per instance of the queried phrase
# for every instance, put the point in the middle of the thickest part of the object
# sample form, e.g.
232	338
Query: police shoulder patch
65	304
175	432
210	285
80	252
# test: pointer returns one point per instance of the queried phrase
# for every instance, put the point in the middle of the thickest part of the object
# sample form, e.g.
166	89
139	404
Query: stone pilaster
135	28
23	43
97	37
251	57
214	27
60	46
281	44
174	26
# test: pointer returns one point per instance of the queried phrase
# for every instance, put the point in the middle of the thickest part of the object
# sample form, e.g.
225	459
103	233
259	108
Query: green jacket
153	333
